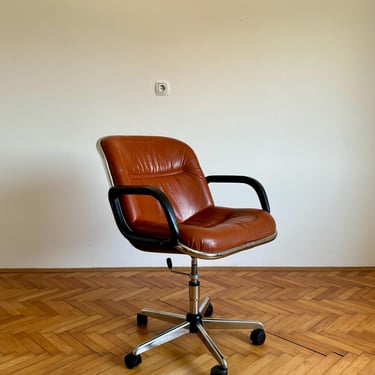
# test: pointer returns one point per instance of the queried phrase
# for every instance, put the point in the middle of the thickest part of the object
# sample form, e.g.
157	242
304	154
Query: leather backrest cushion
163	162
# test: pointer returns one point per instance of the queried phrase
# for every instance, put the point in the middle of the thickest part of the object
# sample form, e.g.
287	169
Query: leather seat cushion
220	228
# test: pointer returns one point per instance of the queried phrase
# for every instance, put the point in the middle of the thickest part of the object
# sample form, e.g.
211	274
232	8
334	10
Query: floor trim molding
202	268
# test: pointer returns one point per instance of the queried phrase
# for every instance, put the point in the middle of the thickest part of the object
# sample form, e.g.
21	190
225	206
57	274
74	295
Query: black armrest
114	195
256	185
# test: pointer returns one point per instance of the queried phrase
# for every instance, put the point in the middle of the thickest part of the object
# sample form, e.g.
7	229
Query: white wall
279	90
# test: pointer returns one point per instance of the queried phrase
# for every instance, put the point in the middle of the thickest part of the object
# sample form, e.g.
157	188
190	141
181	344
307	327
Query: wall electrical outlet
161	88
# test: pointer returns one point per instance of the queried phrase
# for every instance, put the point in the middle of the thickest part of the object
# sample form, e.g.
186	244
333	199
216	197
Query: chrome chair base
196	321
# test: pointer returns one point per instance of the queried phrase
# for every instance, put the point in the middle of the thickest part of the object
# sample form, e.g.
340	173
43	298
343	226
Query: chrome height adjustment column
194	288
194	284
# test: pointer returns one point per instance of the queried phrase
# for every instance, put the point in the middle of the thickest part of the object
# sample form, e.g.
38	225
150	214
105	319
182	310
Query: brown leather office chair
162	203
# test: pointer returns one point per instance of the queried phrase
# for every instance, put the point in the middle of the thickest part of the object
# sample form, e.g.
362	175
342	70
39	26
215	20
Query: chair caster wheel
258	336
218	370
142	320
132	360
209	311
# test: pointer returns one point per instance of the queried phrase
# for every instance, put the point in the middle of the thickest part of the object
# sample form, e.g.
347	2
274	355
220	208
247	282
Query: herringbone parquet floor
317	321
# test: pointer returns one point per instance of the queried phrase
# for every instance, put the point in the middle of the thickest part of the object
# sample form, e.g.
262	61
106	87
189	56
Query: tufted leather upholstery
173	167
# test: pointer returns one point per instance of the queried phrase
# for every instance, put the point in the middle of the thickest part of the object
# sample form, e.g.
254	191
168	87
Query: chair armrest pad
116	192
256	185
